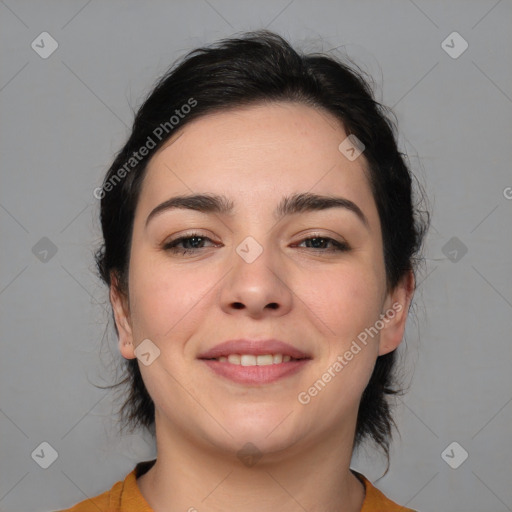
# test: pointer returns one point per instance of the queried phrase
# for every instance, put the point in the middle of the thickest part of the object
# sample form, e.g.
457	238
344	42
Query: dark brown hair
256	68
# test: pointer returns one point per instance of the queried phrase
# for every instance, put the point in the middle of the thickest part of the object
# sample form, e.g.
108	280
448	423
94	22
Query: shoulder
376	501
101	502
124	496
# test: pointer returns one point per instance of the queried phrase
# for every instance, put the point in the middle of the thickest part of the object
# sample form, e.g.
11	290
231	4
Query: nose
257	288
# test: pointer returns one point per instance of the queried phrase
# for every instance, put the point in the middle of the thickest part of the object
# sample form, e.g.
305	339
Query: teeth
234	359
252	360
247	360
264	360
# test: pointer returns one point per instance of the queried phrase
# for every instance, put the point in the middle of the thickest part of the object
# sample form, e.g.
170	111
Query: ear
121	308
395	311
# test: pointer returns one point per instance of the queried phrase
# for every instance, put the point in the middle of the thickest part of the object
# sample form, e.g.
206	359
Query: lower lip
256	374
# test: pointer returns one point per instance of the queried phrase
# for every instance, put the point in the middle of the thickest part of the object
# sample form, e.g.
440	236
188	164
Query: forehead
257	153
259	133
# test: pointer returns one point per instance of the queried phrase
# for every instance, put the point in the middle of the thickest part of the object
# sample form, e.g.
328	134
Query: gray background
64	117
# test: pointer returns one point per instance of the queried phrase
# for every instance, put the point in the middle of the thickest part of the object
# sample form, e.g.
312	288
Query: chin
263	427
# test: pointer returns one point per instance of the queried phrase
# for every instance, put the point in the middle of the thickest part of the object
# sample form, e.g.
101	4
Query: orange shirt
125	496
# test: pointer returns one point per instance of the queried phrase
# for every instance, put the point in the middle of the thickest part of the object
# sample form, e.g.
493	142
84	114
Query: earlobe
395	311
122	318
126	349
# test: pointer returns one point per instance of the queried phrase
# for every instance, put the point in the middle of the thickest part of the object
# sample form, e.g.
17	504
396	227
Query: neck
313	477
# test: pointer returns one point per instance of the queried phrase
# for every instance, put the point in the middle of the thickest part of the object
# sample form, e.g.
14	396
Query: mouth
253	362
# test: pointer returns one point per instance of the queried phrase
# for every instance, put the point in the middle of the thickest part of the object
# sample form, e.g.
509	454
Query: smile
253	360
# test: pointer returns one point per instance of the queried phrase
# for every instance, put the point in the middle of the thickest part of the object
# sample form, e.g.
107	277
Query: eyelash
172	245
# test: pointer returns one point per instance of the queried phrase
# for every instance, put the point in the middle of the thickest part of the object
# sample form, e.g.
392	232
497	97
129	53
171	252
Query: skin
322	299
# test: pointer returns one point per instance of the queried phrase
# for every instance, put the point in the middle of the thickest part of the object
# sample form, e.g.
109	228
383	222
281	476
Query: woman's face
268	268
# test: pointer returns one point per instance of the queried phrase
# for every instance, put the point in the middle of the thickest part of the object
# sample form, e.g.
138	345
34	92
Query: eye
319	243
189	244
194	242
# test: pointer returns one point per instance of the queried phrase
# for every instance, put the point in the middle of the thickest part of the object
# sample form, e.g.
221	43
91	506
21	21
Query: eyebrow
290	205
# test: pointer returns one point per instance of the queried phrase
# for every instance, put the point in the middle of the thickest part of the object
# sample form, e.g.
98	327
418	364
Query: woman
259	241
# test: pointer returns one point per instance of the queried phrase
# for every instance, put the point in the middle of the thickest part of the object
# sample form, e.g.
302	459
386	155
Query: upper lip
253	347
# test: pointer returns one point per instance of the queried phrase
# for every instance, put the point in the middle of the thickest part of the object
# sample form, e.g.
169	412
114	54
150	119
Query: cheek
348	300
349	306
166	300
